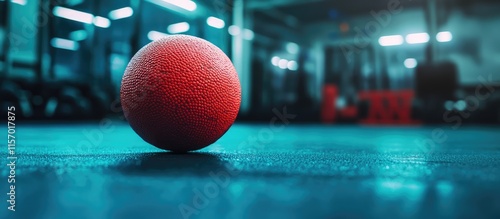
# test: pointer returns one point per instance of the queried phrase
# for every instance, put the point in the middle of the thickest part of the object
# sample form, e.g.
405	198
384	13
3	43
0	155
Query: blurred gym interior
64	59
350	109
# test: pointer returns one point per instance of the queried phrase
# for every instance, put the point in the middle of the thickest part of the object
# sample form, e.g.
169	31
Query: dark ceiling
279	19
339	9
309	11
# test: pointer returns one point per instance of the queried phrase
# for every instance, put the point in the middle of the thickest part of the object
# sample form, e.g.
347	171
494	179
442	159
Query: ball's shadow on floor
169	163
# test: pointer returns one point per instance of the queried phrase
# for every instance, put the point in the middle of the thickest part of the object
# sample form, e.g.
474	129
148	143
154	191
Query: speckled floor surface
257	171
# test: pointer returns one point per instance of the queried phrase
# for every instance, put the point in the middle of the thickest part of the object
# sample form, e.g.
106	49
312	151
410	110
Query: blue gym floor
73	171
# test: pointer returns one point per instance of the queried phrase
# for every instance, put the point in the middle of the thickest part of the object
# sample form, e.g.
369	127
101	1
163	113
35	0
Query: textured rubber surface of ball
180	93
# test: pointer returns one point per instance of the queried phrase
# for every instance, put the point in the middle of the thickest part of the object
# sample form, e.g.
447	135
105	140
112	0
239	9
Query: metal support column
242	52
6	42
431	18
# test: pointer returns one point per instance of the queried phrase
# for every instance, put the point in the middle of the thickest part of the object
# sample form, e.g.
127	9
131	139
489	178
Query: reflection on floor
256	171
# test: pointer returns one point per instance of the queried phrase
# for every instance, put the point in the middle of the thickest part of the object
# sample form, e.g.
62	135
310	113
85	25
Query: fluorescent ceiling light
184	4
410	63
178	28
80	16
275	60
216	22
19	2
121	13
417	38
292	65
156	35
64	44
283	64
234	30
393	40
73	15
445	36
102	22
248	34
292	48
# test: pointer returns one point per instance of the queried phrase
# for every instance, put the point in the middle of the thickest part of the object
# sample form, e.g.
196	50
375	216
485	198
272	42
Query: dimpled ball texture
180	93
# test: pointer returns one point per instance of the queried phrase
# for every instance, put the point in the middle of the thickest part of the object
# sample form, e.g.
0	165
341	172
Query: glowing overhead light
416	38
121	13
461	105
275	60
341	103
292	66
292	48
19	2
234	30
102	22
64	44
73	15
155	35
445	36
448	105
78	35
410	63
283	63
216	22
393	40
79	16
248	34
184	4
178	28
